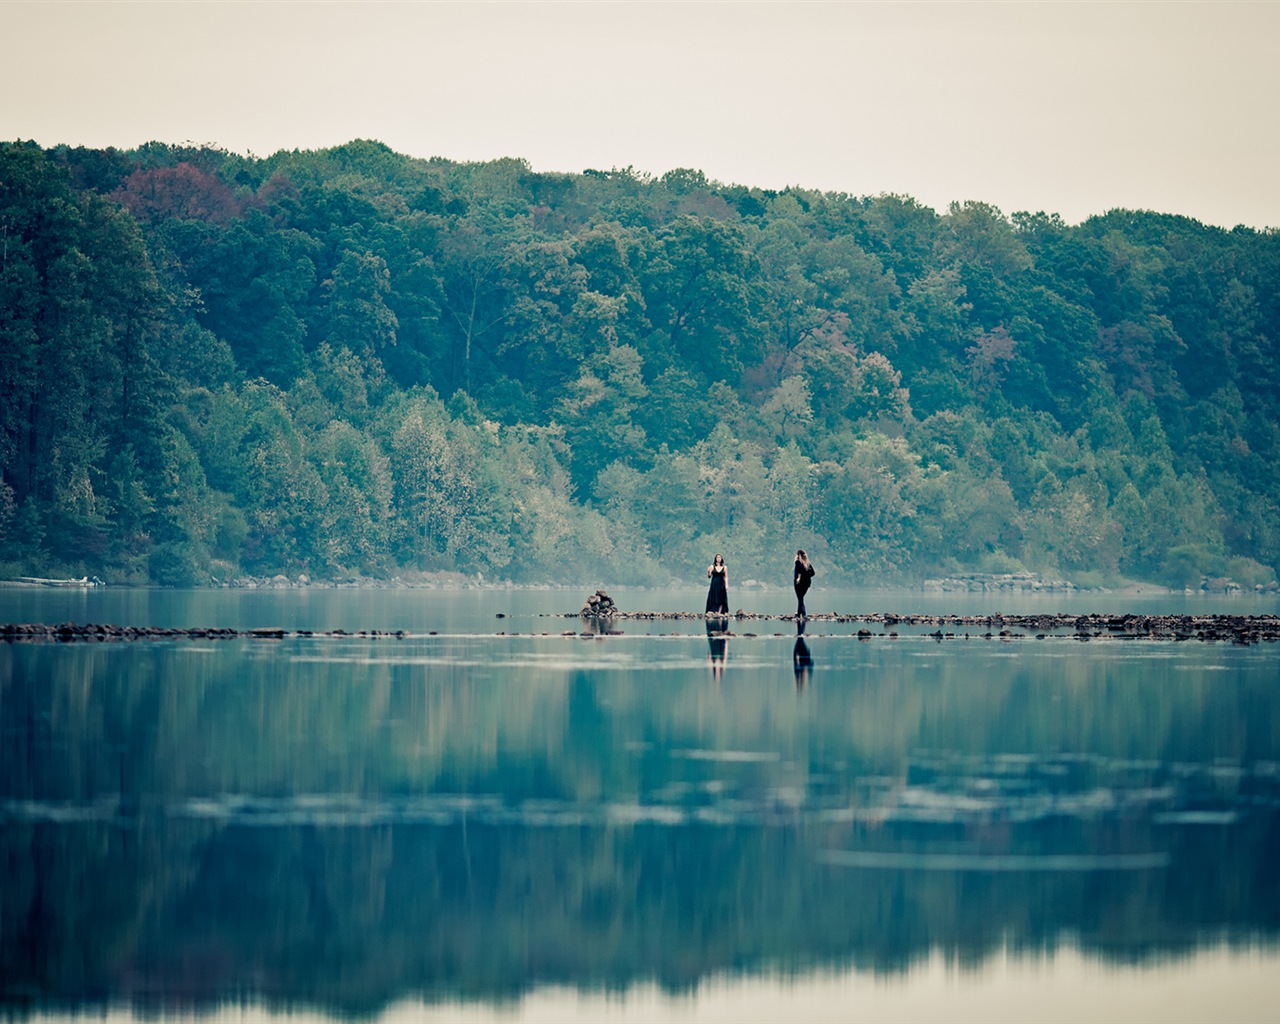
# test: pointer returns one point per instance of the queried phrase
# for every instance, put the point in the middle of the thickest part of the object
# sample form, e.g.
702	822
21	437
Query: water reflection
343	825
717	644
801	659
1218	984
600	626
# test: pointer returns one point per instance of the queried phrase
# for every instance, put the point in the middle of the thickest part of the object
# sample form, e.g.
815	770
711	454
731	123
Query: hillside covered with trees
351	362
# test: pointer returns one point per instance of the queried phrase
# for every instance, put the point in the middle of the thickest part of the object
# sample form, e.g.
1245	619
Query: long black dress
718	592
803	577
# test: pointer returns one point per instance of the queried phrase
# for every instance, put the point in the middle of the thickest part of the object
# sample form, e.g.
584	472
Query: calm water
500	821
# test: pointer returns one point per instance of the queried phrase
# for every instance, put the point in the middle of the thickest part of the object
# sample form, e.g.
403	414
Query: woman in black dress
718	592
802	577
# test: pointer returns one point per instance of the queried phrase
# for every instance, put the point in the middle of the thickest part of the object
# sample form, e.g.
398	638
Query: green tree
358	315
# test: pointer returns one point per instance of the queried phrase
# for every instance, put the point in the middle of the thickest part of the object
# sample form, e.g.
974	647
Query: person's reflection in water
718	642
801	659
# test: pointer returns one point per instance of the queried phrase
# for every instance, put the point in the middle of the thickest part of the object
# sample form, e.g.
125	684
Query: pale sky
1074	108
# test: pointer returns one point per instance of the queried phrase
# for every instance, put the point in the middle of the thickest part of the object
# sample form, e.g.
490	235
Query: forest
354	364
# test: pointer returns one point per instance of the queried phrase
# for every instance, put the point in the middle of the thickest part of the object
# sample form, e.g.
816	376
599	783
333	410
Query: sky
1073	108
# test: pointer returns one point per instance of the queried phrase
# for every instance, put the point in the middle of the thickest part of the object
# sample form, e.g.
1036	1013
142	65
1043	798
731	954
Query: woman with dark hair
802	577
718	592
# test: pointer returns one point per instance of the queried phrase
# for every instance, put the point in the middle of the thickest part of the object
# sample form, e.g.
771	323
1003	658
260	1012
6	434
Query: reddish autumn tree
184	192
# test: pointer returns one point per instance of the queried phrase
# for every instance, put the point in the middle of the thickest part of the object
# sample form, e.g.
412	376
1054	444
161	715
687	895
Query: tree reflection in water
342	825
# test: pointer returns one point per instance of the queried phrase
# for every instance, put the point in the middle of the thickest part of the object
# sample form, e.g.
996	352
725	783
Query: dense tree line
354	362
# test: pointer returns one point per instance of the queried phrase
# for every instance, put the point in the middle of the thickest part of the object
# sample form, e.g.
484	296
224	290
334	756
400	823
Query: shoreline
1012	585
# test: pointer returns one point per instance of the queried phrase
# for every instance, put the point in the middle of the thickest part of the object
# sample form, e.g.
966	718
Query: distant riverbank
1011	583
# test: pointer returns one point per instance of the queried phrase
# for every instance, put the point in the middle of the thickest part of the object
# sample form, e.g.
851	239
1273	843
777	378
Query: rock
599	604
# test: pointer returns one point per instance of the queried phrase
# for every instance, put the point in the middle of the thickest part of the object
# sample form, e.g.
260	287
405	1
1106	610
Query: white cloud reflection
1220	983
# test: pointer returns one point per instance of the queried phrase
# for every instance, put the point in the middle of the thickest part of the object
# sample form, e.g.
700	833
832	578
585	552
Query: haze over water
666	823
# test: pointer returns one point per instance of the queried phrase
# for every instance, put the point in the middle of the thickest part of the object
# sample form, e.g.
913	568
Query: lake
505	815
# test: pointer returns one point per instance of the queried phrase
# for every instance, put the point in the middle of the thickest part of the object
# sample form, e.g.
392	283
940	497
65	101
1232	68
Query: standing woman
802	577
718	592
